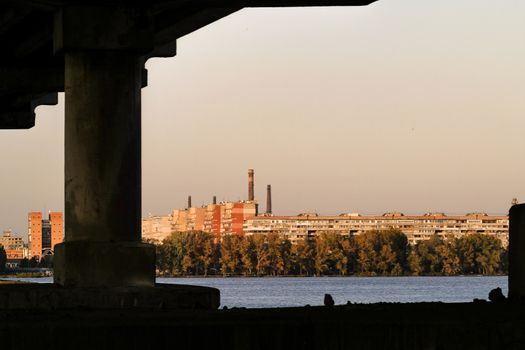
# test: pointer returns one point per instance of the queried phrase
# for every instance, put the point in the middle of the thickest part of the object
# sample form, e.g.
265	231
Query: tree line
374	253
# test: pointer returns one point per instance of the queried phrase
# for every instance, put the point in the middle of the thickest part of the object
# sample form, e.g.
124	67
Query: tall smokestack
189	202
250	185
269	199
214	199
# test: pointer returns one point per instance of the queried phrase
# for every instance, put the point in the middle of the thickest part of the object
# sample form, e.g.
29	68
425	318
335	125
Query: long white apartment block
416	228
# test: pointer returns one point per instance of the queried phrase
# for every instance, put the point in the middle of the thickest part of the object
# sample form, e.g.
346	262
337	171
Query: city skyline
412	114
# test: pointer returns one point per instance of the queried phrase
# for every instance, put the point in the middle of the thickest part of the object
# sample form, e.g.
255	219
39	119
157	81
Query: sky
405	105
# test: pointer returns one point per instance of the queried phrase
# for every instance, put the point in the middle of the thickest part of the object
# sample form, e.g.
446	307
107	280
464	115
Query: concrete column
103	79
517	252
102	146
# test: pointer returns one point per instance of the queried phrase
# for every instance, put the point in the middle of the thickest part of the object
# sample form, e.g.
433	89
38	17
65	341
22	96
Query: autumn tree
231	262
479	254
249	255
302	256
382	252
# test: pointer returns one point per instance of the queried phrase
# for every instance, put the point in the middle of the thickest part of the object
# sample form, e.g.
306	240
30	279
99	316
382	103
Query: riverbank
480	326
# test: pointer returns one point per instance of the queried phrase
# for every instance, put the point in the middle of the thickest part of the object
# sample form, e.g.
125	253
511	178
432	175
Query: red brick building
44	234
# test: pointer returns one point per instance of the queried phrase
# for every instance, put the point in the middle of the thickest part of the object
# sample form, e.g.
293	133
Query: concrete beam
19	112
17	119
22	80
127	28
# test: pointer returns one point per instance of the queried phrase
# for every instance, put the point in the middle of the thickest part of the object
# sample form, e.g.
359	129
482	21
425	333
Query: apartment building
156	227
44	234
219	219
13	246
416	228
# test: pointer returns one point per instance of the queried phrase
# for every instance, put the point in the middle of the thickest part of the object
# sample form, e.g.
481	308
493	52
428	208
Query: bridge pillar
517	252
102	50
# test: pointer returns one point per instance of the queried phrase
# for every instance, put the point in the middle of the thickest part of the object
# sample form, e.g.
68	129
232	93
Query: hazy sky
408	105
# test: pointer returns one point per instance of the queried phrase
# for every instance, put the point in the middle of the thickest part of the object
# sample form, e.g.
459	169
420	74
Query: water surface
298	291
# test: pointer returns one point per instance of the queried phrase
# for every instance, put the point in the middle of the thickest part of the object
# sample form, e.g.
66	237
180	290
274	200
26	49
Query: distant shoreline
43	275
325	276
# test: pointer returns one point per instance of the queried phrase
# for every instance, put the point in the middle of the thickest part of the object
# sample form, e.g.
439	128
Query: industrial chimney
189	202
214	200
269	199
250	185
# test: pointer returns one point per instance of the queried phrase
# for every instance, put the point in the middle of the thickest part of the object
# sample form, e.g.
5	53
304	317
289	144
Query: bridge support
102	48
516	252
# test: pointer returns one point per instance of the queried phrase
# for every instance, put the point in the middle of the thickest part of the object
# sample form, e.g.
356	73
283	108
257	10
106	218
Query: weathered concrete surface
102	146
35	296
104	264
103	48
377	326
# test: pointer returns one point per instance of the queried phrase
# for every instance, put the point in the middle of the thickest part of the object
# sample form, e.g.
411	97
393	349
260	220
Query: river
266	292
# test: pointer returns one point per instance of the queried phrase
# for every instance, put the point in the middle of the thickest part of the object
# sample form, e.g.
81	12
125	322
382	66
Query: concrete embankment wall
376	326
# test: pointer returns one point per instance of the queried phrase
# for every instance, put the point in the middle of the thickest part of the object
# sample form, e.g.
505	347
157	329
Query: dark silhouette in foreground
328	300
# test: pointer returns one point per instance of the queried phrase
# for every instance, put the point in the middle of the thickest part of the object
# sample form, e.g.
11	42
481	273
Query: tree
249	255
321	255
429	256
450	263
209	252
414	262
285	250
171	253
33	262
231	262
261	252
382	252
302	256
46	262
24	263
275	259
479	254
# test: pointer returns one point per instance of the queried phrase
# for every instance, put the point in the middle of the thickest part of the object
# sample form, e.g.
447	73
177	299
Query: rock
328	300
496	295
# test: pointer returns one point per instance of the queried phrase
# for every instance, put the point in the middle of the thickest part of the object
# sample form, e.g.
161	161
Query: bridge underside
32	63
95	51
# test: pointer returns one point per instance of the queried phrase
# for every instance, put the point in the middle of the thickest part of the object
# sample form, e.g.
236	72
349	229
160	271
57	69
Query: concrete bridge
94	51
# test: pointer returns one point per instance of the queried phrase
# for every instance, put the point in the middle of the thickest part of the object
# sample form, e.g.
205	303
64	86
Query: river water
298	291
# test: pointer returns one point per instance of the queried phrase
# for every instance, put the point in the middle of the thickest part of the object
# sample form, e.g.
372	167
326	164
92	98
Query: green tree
171	253
429	255
479	254
382	252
